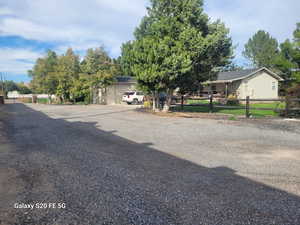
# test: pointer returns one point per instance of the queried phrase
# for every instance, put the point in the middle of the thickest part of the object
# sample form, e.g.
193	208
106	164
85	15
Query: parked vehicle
133	97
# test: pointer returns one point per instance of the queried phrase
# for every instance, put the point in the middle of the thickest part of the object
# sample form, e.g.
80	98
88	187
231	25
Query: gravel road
113	165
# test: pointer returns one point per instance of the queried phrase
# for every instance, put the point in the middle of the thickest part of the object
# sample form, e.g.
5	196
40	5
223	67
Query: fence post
34	99
287	106
248	107
182	102
211	106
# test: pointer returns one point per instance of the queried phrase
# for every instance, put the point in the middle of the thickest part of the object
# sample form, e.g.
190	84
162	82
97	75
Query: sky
29	27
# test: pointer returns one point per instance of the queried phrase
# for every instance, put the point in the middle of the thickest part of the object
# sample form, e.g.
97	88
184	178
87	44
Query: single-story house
257	83
113	94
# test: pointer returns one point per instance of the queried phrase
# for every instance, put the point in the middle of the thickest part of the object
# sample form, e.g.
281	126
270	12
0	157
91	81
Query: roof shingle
122	79
234	74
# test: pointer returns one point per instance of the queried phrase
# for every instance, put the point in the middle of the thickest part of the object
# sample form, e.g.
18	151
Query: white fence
16	95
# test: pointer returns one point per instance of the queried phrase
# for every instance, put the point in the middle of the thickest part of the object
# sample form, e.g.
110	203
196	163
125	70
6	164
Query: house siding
233	88
260	86
112	95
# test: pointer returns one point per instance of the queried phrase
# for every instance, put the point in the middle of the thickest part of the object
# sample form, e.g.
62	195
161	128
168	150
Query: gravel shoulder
113	165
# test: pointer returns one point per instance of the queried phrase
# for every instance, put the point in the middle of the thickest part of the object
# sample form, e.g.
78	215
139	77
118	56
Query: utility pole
2	83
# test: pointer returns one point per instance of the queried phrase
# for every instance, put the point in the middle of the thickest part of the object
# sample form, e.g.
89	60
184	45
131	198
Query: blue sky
29	27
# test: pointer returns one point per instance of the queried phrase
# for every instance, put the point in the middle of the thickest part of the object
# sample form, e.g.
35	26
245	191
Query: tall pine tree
261	49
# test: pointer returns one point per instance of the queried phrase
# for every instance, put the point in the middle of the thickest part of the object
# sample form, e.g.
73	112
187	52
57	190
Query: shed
112	95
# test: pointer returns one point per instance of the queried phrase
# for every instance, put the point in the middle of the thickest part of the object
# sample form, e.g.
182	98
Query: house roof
224	77
233	75
125	79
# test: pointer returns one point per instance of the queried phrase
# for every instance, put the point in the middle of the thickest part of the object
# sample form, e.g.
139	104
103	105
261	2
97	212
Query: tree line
264	51
175	47
70	78
8	86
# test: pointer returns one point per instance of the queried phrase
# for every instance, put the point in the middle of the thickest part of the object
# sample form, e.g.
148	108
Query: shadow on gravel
101	114
106	179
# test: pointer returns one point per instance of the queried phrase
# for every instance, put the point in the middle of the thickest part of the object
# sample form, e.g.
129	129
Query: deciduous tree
174	45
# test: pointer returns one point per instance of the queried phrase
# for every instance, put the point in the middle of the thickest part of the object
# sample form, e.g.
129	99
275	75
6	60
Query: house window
273	86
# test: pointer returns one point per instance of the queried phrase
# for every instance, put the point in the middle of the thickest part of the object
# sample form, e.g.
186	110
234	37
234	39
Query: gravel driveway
113	165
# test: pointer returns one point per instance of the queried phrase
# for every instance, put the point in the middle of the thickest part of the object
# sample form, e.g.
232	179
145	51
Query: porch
221	89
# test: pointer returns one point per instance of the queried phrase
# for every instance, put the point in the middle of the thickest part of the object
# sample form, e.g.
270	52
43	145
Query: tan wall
259	86
233	88
115	92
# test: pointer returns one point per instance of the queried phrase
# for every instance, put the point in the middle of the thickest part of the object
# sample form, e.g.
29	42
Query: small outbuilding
112	95
257	83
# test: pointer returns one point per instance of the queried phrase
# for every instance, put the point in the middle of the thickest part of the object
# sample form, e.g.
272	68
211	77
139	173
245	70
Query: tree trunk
182	102
49	100
168	102
154	101
157	103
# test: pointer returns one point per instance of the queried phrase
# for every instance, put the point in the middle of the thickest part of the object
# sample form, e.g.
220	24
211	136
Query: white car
133	97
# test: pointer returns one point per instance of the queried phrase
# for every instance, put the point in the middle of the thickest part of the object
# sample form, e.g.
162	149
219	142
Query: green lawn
198	102
253	112
235	112
272	105
42	100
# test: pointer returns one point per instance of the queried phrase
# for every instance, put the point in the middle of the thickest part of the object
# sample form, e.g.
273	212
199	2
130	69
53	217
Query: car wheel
128	103
135	101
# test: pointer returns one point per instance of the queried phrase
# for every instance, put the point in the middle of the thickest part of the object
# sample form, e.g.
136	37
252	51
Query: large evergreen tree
126	58
288	61
98	71
42	74
95	60
67	72
176	45
261	49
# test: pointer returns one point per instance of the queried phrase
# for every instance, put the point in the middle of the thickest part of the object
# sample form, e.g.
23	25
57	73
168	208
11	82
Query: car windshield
129	93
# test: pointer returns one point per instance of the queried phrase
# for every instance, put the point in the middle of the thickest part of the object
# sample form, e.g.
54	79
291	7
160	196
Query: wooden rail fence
287	111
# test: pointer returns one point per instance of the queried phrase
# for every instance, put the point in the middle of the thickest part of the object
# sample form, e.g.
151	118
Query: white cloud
4	11
91	23
66	23
244	18
40	32
17	61
73	22
124	6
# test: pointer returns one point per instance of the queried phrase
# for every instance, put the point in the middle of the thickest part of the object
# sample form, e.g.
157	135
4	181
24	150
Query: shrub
147	104
232	100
